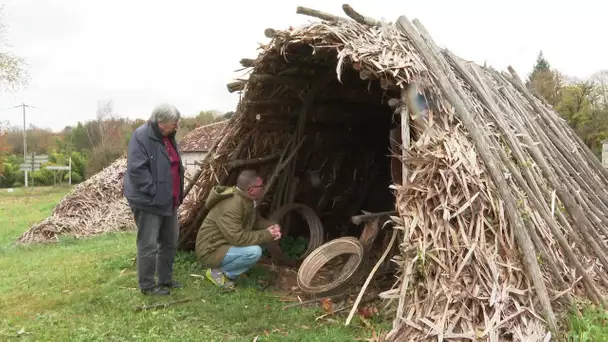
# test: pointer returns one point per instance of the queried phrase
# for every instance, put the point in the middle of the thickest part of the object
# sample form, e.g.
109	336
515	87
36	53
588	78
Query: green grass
592	325
24	207
85	290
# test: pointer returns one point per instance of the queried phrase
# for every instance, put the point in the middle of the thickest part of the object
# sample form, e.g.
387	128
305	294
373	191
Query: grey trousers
156	246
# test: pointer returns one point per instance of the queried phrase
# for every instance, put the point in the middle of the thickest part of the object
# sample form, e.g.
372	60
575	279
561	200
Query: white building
195	145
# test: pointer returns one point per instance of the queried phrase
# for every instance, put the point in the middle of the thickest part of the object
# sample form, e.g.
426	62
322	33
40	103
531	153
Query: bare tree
600	79
105	109
105	112
99	129
13	74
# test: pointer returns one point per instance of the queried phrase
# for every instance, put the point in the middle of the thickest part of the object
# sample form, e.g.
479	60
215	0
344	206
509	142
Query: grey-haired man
153	186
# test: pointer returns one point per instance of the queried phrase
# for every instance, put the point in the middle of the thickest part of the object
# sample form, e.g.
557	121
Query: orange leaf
368	312
328	306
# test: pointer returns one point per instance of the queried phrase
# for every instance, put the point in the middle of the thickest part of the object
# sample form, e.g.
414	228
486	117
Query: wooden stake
370	276
405	135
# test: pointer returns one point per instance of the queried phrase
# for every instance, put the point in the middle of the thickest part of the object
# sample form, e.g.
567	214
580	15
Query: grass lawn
86	290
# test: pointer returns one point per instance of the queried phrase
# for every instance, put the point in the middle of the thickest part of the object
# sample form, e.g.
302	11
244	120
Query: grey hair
165	113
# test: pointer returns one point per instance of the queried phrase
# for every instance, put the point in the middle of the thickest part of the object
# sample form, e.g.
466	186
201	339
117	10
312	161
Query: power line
9	108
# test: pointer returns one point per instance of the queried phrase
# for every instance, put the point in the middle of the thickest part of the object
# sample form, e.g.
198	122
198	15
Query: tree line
92	145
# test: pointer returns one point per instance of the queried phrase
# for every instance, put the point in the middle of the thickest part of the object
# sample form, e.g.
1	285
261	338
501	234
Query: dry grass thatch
94	207
502	213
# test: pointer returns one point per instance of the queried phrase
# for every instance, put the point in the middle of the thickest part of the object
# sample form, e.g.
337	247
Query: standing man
228	242
153	185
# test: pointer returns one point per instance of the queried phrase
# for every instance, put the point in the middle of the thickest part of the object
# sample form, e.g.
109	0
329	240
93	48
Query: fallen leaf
328	306
368	311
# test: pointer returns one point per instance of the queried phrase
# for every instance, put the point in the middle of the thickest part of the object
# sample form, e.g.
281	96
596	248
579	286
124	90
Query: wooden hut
501	210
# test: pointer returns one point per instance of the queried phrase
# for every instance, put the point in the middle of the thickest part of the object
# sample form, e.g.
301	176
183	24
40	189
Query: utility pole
24	141
70	171
23	105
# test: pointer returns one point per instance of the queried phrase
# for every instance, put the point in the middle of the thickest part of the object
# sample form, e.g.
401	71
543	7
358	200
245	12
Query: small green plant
292	247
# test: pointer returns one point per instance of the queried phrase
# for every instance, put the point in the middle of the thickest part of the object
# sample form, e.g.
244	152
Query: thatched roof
502	211
201	138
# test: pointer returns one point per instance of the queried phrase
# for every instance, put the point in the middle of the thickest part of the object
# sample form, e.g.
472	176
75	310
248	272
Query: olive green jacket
232	220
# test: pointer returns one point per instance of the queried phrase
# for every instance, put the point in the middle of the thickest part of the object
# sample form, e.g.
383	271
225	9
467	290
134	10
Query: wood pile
95	206
501	218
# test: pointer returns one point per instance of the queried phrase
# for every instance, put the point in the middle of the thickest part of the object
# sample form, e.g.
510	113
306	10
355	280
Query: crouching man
228	242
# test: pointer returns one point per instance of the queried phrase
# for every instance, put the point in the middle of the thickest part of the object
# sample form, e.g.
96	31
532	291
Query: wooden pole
360	18
452	90
405	135
318	14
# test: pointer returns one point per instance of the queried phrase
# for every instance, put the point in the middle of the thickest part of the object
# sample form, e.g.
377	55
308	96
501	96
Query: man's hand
275	231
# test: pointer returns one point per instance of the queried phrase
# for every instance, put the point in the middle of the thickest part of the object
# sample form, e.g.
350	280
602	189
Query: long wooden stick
358	219
405	134
449	85
564	193
358	17
252	162
580	144
482	90
318	14
314	300
370	276
282	165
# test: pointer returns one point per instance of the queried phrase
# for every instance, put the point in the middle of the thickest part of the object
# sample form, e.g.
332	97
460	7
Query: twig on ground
165	305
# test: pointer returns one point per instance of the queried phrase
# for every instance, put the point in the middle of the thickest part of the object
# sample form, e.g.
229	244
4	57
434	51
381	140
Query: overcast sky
142	52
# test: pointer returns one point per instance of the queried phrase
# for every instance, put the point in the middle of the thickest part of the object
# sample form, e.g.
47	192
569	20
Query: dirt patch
283	278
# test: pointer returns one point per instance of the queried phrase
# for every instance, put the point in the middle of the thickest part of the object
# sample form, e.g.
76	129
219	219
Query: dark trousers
156	246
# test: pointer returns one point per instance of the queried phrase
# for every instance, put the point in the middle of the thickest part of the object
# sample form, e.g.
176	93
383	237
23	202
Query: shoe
218	278
171	285
155	291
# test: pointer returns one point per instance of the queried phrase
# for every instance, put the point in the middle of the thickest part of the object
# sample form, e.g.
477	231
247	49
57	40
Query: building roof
201	138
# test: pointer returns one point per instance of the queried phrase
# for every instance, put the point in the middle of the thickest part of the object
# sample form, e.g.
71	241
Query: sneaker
155	291
218	278
171	285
